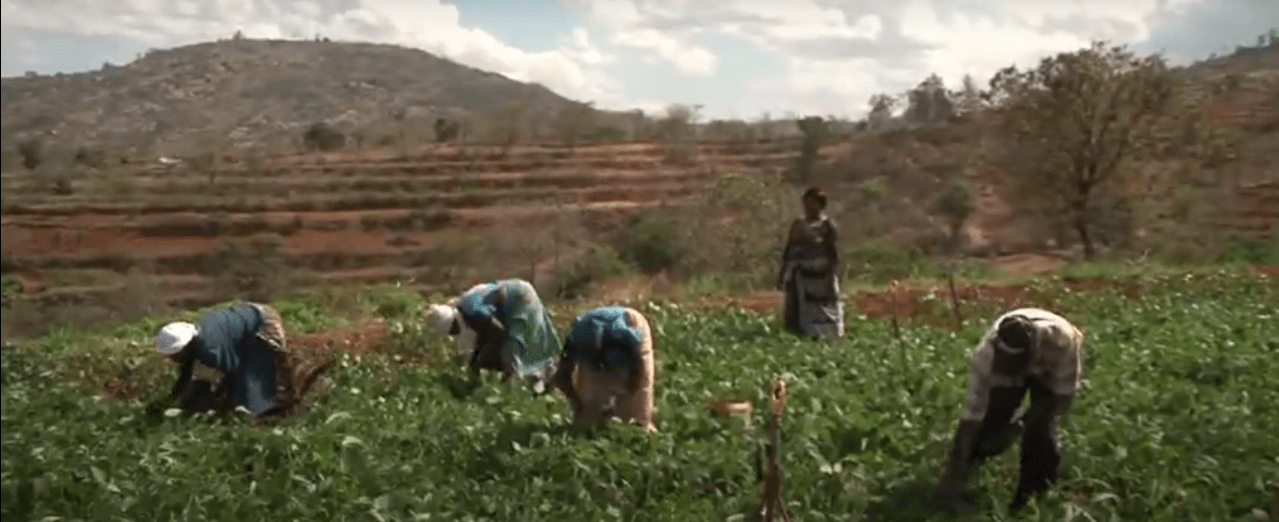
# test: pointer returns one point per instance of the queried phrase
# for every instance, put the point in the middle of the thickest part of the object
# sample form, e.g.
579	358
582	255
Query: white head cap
174	337
441	317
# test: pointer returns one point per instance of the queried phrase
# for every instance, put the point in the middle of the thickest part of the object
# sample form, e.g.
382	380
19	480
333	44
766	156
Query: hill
189	99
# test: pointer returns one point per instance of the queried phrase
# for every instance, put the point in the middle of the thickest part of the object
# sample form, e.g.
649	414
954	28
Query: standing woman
507	326
810	272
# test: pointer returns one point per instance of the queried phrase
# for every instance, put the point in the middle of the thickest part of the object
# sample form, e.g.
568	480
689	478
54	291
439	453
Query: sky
735	58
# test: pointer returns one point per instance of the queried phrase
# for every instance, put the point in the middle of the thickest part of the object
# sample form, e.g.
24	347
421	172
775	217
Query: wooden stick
954	301
897	332
771	505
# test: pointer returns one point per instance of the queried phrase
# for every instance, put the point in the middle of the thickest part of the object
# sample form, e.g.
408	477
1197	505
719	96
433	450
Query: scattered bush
955	204
250	268
446	130
93	158
321	136
597	265
32	152
653	243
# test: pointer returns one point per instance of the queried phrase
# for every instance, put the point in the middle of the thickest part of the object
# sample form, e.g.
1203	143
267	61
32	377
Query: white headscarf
441	317
173	337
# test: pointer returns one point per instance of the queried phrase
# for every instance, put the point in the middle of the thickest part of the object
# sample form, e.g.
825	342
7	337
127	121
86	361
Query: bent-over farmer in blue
1026	350
507	326
247	343
607	369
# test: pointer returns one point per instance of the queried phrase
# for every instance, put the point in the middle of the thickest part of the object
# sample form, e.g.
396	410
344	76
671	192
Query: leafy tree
573	121
814	129
446	130
1075	119
32	152
968	99
321	136
677	128
881	109
929	102
955	205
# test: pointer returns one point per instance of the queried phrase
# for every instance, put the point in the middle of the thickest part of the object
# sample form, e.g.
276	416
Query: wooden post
954	301
771	506
897	332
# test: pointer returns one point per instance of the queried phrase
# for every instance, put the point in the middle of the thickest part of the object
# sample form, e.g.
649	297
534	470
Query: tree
573	121
513	120
929	102
815	129
955	205
32	152
676	129
1075	119
320	136
968	99
881	109
446	130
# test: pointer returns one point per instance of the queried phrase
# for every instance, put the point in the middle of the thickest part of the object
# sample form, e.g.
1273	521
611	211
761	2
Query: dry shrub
251	268
735	228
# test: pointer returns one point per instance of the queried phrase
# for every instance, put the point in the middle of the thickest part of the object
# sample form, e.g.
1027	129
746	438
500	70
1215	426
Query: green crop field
1176	422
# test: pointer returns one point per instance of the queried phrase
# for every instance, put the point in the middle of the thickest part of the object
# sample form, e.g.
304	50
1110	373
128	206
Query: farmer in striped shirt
607	369
1026	350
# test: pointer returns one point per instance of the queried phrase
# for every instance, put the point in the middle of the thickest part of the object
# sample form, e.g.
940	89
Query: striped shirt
1057	360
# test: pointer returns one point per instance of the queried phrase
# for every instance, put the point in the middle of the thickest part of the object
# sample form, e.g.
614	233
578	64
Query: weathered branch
771	505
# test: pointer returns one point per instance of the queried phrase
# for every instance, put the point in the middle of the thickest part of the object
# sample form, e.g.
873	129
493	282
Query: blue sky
737	58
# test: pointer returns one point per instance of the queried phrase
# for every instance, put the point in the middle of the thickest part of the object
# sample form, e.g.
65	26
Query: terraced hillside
303	221
124	236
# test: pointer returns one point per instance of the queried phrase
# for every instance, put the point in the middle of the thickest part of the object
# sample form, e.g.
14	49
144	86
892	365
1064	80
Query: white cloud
840	52
688	59
624	20
808	56
571	70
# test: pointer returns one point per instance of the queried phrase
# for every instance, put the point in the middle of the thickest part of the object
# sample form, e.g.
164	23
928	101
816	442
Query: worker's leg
1040	450
636	402
254	382
591	394
973	434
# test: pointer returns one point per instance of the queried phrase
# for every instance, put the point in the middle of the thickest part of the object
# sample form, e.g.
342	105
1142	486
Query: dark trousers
1040	449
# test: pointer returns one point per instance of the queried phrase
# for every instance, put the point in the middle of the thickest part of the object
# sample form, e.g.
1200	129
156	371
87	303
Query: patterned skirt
286	361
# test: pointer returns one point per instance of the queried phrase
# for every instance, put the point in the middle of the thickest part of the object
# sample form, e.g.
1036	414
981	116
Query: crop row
158	245
543	153
23	181
199	290
208	261
118	188
348	201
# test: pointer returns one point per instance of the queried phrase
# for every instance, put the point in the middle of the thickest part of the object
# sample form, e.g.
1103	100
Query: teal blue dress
603	339
531	343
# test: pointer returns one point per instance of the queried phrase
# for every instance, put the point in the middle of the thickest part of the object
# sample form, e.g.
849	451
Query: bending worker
505	324
246	342
1026	350
607	369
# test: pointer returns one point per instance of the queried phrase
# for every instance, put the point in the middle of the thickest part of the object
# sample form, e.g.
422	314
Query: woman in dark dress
810	272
